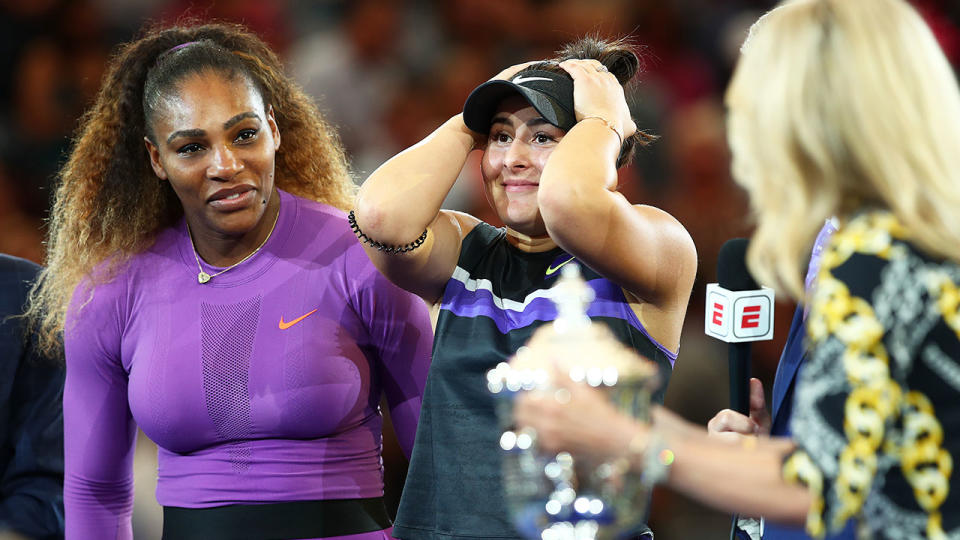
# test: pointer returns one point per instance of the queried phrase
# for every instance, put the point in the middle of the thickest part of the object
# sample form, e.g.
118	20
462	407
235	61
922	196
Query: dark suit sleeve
31	418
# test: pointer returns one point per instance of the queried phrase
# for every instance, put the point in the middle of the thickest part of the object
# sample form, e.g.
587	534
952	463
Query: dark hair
109	204
619	58
176	63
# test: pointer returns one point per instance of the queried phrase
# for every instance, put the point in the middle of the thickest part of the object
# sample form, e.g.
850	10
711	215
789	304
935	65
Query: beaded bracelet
383	247
606	123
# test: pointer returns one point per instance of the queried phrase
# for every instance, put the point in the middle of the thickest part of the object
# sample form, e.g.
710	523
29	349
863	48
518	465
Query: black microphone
742	314
732	274
738	311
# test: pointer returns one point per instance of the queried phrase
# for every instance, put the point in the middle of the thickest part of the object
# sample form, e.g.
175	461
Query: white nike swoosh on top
519	80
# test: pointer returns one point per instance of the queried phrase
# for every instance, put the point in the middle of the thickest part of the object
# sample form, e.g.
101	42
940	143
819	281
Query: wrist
630	445
617	130
648	452
475	139
657	459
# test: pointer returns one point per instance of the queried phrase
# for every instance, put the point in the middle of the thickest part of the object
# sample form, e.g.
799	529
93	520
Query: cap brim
482	103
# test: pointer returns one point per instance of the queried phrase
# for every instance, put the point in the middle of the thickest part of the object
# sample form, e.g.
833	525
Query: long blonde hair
841	105
109	205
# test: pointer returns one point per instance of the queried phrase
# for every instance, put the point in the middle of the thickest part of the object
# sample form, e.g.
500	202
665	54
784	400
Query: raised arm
99	432
402	198
643	249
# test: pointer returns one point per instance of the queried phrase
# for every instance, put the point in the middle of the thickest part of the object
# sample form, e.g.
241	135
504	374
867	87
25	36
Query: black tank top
491	306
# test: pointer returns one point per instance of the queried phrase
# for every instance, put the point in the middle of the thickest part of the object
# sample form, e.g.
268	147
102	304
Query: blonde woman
845	108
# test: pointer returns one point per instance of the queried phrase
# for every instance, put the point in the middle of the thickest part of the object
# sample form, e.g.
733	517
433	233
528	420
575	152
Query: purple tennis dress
262	385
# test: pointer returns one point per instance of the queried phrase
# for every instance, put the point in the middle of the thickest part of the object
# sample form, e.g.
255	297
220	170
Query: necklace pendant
203	277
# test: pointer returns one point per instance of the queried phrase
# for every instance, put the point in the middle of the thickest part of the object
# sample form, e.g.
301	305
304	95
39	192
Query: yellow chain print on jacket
871	401
858	466
870	234
875	400
866	366
948	301
800	469
925	464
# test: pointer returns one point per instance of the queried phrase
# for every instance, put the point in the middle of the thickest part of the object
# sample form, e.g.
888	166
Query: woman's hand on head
597	92
480	139
508	73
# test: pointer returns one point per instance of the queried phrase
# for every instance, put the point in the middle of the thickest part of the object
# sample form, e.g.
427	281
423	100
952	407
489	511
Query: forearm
737	478
95	511
731	477
98	479
403	196
641	248
576	196
99	436
580	175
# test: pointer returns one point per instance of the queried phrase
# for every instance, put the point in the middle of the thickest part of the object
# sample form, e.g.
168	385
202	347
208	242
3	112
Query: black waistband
298	519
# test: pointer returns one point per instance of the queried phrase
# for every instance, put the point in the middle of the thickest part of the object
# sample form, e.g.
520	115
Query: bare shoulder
671	244
668	226
462	220
658	215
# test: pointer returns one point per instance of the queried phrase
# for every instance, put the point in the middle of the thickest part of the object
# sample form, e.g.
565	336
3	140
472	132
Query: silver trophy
555	496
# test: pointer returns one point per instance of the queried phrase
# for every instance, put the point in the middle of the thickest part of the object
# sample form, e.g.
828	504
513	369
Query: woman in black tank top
553	135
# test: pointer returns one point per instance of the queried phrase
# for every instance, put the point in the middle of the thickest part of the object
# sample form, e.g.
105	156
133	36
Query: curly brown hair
109	205
620	58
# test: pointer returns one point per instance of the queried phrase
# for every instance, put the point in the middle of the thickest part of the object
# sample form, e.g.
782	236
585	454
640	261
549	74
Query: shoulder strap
475	244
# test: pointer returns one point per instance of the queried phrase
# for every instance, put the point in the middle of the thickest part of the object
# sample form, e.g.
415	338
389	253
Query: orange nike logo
552	269
285	325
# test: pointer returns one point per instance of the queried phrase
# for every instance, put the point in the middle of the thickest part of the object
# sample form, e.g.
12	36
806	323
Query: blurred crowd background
387	72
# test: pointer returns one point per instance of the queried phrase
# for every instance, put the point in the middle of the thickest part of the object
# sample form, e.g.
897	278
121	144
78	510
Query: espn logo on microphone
737	316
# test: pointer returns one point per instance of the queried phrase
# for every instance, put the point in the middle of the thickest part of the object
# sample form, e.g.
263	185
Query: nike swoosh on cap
522	79
285	325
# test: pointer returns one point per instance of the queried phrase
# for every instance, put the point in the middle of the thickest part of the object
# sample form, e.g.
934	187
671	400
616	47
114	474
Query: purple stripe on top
465	297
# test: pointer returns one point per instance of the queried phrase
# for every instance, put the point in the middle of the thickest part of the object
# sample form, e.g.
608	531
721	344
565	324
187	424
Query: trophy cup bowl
557	496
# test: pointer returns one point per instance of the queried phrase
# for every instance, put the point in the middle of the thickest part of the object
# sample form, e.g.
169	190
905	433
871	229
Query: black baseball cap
551	94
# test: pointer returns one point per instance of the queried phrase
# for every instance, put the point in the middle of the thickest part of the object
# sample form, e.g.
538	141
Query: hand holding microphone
730	425
738	311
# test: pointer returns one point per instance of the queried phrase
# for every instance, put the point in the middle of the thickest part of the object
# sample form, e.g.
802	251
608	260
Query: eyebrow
533	122
199	132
